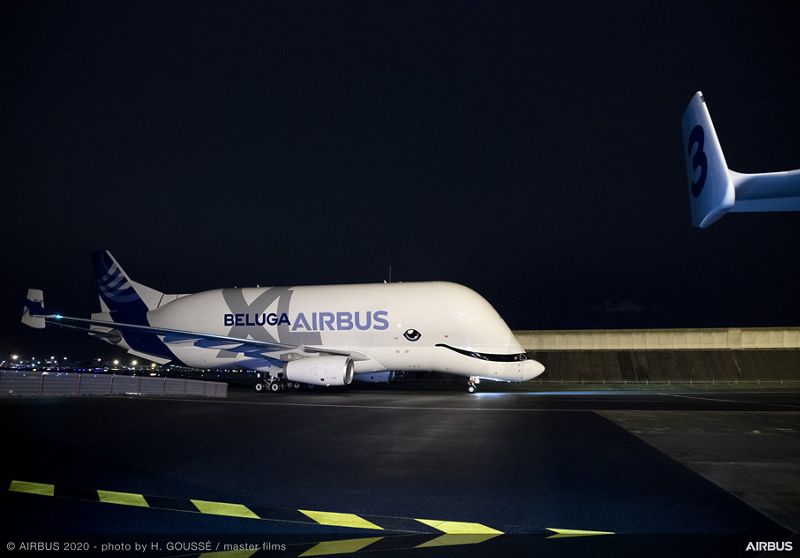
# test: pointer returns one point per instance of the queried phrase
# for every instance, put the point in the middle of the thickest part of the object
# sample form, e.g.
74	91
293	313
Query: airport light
116	363
134	362
14	357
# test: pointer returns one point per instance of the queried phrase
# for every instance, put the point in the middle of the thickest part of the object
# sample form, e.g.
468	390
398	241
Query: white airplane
714	189
321	335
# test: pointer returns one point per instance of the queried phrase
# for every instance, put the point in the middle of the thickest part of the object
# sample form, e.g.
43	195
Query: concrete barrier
731	338
644	355
670	365
39	384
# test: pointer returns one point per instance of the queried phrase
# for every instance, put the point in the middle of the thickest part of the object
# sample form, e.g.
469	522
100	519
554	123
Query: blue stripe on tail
117	292
125	304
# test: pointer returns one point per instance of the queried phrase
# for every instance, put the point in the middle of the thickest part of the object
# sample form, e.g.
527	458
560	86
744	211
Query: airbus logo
769	546
313	321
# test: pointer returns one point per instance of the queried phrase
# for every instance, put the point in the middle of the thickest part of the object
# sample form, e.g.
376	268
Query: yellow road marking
340	519
476	532
451	540
564	533
340	547
32	488
460	527
123	498
222	508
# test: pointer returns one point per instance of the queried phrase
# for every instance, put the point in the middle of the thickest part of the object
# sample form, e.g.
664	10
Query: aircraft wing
198	339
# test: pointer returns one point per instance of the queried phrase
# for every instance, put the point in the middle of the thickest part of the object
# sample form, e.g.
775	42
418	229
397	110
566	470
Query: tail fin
33	312
714	189
124	299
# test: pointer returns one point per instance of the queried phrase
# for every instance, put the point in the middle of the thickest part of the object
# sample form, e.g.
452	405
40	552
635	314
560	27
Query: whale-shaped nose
531	369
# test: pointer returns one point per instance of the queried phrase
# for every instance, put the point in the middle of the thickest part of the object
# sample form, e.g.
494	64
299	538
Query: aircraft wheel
471	388
259	387
275	387
296	385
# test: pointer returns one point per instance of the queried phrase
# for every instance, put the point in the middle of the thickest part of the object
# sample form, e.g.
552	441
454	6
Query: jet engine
321	371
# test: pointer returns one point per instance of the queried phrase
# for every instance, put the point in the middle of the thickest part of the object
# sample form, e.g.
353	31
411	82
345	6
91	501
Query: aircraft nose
531	369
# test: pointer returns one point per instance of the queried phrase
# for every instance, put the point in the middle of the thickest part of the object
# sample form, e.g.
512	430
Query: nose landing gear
472	384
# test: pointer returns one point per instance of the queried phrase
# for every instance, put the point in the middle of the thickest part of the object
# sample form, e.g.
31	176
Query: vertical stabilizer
126	300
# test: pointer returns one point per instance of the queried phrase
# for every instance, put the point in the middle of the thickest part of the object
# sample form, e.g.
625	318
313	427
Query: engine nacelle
320	371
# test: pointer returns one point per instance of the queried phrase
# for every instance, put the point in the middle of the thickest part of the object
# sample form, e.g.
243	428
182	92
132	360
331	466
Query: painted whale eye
412	335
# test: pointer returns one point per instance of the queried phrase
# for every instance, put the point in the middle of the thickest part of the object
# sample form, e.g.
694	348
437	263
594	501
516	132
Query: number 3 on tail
697	136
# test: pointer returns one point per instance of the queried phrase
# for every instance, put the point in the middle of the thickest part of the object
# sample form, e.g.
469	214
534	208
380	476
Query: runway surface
522	462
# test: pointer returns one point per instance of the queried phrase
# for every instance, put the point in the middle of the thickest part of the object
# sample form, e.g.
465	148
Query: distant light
153	365
153	374
58	316
116	362
14	357
134	362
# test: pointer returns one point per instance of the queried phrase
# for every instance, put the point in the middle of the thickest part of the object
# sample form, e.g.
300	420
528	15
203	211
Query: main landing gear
274	385
472	384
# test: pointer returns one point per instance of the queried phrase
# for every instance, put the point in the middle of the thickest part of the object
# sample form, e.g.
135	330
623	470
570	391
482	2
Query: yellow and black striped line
445	531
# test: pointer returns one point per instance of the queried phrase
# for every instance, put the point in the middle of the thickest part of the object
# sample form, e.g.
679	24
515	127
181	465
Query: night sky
531	151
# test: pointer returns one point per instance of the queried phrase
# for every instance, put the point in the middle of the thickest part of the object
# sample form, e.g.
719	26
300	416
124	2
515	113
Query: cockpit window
487	356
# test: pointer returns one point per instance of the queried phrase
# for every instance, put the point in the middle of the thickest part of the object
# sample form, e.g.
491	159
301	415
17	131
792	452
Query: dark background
529	150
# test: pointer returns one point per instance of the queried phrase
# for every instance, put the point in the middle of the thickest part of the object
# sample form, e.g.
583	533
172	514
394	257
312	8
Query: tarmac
642	470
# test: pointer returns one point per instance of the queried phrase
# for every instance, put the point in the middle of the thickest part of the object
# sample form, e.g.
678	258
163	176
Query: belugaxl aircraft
320	335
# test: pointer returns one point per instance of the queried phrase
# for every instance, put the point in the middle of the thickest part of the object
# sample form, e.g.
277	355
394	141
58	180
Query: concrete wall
660	339
666	354
613	366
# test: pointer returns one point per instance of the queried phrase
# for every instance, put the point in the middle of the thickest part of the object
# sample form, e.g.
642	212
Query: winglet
33	312
714	189
711	190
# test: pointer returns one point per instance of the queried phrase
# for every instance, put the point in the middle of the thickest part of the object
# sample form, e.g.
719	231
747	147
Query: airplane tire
259	387
471	389
275	387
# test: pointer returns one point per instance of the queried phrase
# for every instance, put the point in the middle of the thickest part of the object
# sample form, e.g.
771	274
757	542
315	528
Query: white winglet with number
714	189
